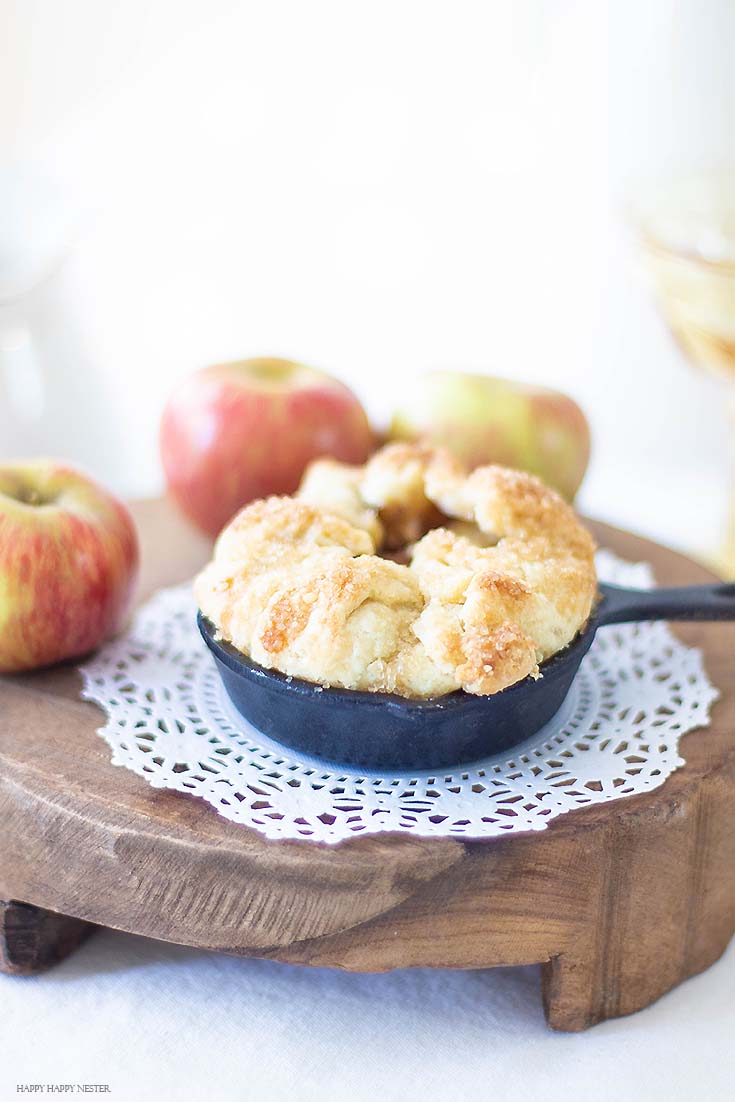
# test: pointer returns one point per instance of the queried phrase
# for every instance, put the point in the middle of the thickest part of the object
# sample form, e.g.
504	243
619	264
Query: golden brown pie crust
500	576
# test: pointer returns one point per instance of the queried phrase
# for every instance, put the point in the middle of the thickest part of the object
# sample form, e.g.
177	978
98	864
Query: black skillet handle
690	602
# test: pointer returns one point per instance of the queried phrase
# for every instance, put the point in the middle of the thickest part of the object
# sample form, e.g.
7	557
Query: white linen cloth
159	1022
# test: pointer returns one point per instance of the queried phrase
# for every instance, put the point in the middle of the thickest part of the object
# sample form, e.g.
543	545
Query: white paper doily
169	720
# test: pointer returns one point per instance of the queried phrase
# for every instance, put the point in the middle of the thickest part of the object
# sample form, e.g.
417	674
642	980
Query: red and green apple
489	420
68	564
239	431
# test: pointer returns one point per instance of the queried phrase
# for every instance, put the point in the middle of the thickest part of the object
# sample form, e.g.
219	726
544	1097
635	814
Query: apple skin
68	564
239	431
489	420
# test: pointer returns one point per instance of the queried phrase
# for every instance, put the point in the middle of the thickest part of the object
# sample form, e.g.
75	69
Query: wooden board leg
576	996
32	939
663	909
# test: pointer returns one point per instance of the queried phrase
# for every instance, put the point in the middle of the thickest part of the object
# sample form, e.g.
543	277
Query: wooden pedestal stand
618	902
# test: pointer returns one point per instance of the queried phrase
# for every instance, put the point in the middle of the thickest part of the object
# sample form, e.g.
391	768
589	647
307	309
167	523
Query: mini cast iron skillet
382	731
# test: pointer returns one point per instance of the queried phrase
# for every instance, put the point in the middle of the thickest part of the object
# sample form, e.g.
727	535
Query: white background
165	1024
375	188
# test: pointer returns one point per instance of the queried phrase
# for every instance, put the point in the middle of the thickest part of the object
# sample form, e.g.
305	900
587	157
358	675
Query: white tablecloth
155	1021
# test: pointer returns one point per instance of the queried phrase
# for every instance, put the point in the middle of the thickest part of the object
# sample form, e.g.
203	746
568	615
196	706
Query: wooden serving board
618	902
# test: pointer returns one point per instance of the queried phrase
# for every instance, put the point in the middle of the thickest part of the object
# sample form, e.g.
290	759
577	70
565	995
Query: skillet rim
239	664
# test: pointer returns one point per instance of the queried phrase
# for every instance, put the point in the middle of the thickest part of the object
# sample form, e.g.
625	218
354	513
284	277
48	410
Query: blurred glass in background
686	230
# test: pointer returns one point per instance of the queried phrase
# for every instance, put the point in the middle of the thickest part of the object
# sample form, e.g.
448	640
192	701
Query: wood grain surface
619	902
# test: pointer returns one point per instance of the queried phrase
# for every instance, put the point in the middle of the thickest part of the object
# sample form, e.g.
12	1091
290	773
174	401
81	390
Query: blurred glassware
36	225
686	235
53	398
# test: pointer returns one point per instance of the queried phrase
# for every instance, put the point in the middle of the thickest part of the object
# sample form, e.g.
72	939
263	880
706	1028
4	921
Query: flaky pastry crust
499	576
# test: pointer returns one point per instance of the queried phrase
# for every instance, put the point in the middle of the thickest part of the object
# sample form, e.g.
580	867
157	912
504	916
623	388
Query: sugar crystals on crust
499	576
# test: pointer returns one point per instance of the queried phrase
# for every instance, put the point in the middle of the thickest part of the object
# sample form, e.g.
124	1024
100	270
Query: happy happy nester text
63	1088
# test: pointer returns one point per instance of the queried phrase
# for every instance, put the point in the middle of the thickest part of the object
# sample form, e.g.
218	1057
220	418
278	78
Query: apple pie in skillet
497	576
407	584
408	613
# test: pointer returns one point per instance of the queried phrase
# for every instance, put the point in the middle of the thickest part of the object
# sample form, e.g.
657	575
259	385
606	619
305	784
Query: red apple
68	564
239	431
